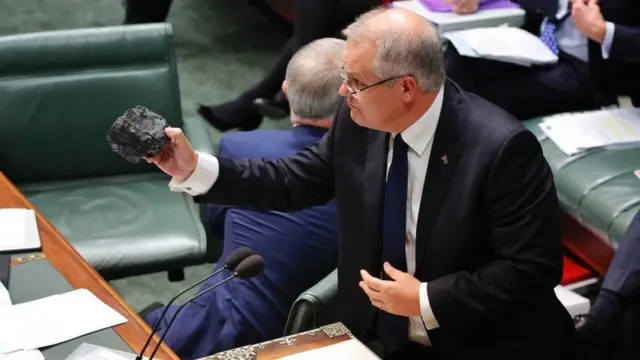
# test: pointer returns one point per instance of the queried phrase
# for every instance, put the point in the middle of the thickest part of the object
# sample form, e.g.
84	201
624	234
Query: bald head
404	43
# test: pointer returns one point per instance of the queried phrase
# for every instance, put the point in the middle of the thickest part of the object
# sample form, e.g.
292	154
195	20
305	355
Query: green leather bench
315	307
598	188
60	92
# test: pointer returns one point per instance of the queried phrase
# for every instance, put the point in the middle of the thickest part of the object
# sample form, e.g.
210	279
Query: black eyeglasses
353	92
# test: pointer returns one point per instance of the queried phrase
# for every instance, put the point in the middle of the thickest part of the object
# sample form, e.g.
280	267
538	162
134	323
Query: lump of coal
138	133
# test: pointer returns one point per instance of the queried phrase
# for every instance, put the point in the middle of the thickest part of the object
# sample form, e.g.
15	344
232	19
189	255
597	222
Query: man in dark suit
618	297
299	248
449	242
598	45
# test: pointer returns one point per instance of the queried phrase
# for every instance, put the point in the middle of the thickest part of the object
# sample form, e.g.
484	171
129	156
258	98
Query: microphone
249	267
231	263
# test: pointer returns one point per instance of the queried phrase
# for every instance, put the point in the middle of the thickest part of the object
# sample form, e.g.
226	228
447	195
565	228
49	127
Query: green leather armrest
599	188
314	307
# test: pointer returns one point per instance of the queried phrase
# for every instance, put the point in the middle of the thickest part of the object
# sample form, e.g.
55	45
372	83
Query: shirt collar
420	133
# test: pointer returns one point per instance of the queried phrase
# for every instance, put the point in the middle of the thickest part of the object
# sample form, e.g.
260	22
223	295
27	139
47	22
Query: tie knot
398	144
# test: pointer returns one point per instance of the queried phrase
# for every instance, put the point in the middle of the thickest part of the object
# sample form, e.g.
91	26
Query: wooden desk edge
81	275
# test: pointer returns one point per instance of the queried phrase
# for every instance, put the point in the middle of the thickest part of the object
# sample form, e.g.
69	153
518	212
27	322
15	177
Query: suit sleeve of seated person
598	45
449	243
299	248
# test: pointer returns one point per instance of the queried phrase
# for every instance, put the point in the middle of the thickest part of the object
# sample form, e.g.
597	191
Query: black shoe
272	108
147	310
228	116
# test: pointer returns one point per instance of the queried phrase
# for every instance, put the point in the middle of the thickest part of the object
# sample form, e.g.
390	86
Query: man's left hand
588	19
399	296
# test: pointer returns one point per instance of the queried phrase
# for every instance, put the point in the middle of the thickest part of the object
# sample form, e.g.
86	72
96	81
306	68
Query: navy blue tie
393	330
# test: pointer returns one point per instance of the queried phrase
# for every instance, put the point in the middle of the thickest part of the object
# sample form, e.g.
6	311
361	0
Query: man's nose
343	90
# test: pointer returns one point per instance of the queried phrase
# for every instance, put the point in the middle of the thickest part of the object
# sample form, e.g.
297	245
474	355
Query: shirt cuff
202	179
428	317
608	40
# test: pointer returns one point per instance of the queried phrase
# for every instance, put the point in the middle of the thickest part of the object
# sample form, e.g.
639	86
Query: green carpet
222	47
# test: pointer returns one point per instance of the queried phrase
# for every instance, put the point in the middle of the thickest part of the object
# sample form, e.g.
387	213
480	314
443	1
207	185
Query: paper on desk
447	21
23	355
5	299
506	44
58	318
9	337
18	230
577	132
93	352
348	350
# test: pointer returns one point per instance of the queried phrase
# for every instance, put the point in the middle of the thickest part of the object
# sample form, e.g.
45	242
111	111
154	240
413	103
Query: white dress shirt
572	41
419	139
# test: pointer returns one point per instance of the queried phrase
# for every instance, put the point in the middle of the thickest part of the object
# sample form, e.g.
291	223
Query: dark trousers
314	19
527	92
146	11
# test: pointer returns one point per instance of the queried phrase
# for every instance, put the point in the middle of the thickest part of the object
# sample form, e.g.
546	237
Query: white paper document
576	132
347	350
449	21
575	304
505	44
5	299
55	319
23	355
93	352
18	230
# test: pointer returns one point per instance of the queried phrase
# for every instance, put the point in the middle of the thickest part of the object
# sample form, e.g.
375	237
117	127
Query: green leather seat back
60	92
315	307
598	187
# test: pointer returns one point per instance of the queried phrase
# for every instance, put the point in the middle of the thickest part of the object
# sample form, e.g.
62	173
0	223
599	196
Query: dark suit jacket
623	275
488	238
620	73
299	249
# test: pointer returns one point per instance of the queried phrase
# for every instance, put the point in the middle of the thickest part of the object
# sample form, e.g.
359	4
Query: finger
153	159
394	274
374	283
174	133
372	294
379	305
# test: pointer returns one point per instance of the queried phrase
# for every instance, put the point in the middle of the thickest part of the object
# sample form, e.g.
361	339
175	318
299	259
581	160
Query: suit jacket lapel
375	177
443	161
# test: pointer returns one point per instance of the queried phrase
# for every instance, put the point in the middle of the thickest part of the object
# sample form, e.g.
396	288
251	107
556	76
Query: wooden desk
289	345
78	272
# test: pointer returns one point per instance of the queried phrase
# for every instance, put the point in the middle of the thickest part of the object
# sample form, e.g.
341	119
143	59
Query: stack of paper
448	21
576	132
18	230
506	44
52	320
347	350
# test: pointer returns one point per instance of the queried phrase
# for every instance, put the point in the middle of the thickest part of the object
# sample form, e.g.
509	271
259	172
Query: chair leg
176	275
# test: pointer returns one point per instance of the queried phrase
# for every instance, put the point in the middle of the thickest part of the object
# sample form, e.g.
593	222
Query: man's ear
284	88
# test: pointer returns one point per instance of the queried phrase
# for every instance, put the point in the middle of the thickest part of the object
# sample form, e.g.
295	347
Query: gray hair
313	79
401	52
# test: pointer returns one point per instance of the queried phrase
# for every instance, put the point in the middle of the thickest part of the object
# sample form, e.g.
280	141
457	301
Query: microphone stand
157	347
155	327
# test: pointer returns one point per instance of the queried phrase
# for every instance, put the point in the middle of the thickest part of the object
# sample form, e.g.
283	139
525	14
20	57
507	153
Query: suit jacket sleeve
290	184
623	273
626	44
521	209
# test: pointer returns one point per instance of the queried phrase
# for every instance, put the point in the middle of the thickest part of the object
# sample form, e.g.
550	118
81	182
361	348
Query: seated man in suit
599	49
299	248
617	302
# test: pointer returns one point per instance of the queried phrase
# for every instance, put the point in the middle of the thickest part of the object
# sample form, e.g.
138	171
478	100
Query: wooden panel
81	275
